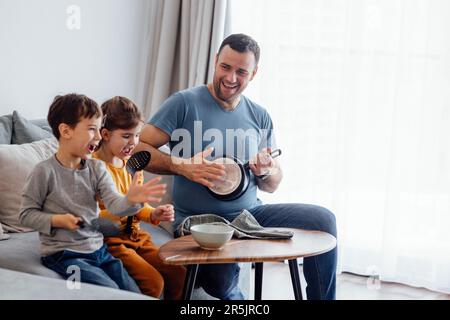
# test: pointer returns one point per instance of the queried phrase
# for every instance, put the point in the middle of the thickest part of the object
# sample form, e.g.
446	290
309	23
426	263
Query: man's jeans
98	267
221	280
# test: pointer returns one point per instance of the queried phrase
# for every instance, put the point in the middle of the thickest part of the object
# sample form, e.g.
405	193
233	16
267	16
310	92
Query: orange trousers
141	260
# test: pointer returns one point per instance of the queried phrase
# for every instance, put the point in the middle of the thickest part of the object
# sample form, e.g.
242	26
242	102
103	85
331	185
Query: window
358	92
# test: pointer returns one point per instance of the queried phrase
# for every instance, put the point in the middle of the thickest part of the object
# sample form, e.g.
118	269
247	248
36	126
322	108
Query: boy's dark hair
120	113
242	43
70	109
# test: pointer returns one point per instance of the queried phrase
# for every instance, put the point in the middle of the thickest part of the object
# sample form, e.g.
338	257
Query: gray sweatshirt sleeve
116	203
33	197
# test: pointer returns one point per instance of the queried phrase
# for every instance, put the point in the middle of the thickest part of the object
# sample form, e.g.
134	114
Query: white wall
41	57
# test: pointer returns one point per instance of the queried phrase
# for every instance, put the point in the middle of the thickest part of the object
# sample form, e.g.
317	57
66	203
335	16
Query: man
218	115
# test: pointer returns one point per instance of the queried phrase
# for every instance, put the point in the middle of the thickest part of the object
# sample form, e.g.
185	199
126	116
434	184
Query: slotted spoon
137	162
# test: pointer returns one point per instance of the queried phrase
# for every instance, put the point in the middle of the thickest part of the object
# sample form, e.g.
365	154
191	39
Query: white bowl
211	236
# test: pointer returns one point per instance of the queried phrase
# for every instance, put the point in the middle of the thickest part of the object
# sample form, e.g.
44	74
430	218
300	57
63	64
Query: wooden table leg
295	277
258	280
189	282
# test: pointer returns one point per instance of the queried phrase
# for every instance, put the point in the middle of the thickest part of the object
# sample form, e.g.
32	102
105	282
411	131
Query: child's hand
66	221
164	213
148	192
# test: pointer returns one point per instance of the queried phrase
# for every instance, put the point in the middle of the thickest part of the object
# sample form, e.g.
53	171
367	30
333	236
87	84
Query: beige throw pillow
17	161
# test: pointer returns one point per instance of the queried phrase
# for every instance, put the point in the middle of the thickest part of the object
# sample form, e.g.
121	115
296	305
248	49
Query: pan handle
275	153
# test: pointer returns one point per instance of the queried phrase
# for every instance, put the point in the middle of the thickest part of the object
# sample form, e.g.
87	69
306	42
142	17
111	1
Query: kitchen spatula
137	162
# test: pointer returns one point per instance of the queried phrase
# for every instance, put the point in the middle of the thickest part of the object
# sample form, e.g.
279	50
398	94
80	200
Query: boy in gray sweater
59	199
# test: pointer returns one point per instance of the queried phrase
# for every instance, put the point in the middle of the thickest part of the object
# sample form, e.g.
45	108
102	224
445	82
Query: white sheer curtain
359	94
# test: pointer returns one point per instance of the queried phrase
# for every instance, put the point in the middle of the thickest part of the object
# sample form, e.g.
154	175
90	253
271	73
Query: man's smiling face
233	72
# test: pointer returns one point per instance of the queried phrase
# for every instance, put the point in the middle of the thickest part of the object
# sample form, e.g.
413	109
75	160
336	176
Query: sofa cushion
5	129
17	161
21	253
24	131
41	123
3	236
23	286
159	234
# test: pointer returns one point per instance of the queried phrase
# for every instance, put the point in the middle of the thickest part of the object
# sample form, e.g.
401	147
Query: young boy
59	199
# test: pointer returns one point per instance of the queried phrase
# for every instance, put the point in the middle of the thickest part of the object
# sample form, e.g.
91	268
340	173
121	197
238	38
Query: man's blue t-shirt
195	122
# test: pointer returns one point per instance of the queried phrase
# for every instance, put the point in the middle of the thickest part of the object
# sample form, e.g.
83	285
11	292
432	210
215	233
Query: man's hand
263	163
66	221
163	213
150	191
200	170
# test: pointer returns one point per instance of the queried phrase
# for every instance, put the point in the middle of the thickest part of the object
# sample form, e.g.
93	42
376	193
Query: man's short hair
70	109
242	43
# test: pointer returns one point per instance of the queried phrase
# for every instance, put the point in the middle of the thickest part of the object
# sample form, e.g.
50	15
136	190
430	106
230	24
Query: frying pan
236	180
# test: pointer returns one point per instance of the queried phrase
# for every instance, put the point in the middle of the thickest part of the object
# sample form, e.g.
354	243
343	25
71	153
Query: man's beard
221	97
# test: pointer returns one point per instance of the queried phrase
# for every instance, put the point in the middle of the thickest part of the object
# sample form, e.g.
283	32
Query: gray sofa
19	254
25	286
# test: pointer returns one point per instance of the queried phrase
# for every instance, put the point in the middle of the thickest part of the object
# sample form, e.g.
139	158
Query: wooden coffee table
304	243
